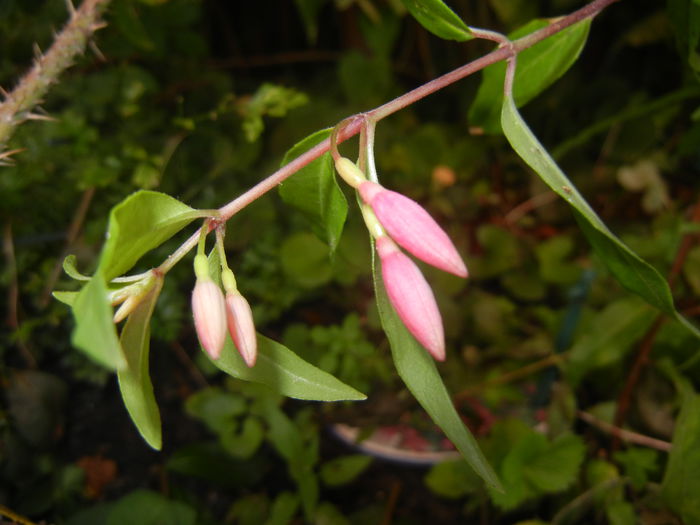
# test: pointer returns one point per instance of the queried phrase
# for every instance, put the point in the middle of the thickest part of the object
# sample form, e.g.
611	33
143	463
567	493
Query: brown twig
69	43
624	435
624	400
391	503
8	248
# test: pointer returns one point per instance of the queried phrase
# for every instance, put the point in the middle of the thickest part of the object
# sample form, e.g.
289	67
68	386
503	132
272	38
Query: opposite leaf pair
213	314
394	219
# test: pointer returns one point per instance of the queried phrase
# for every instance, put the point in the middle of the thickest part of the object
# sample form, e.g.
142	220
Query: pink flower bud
241	327
411	297
413	228
209	311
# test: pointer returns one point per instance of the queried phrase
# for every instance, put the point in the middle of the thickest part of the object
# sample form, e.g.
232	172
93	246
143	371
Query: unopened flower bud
413	228
241	327
209	311
411	297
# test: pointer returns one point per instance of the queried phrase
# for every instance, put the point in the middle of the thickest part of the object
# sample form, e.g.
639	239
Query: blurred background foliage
200	99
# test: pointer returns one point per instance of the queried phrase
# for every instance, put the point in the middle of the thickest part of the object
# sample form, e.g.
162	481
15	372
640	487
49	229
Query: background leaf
138	224
314	191
418	371
439	19
632	272
285	372
538	68
135	380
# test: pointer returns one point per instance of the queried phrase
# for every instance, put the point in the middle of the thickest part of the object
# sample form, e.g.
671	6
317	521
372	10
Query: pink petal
413	228
209	311
241	327
412	298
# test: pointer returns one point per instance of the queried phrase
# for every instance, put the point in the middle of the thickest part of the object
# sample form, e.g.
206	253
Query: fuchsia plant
407	307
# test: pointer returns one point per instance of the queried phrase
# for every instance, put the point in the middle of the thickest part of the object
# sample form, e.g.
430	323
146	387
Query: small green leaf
452	479
244	444
439	19
150	508
69	266
538	67
94	331
285	372
139	223
283	509
635	274
344	469
681	482
67	298
315	192
135	380
215	407
418	371
617	327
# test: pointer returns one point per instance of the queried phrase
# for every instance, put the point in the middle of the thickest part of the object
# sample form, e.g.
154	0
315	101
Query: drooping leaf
538	67
67	298
69	266
315	192
94	331
439	19
632	272
138	224
417	369
285	372
135	380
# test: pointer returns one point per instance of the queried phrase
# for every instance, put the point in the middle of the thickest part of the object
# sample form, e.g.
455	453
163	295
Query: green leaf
138	224
681	482
633	273
617	327
538	67
344	469
285	372
150	508
69	266
283	509
452	479
135	380
315	192
67	298
417	369
439	19
94	331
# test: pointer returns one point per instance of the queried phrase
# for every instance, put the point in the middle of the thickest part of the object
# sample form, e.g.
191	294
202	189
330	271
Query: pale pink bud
413	228
411	297
241	327
209	310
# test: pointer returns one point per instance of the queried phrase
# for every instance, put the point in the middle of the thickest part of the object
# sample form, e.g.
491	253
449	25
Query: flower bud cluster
393	218
214	314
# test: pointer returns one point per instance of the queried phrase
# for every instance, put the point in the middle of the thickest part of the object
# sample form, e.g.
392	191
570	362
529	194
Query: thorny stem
506	50
70	43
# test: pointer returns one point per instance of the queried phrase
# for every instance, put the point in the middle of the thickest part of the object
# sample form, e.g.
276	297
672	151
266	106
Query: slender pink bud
241	327
413	228
209	310
411	297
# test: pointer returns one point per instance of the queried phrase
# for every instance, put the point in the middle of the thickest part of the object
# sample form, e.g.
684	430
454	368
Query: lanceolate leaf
629	269
538	68
138	224
94	331
135	381
439	19
418	371
315	192
285	372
